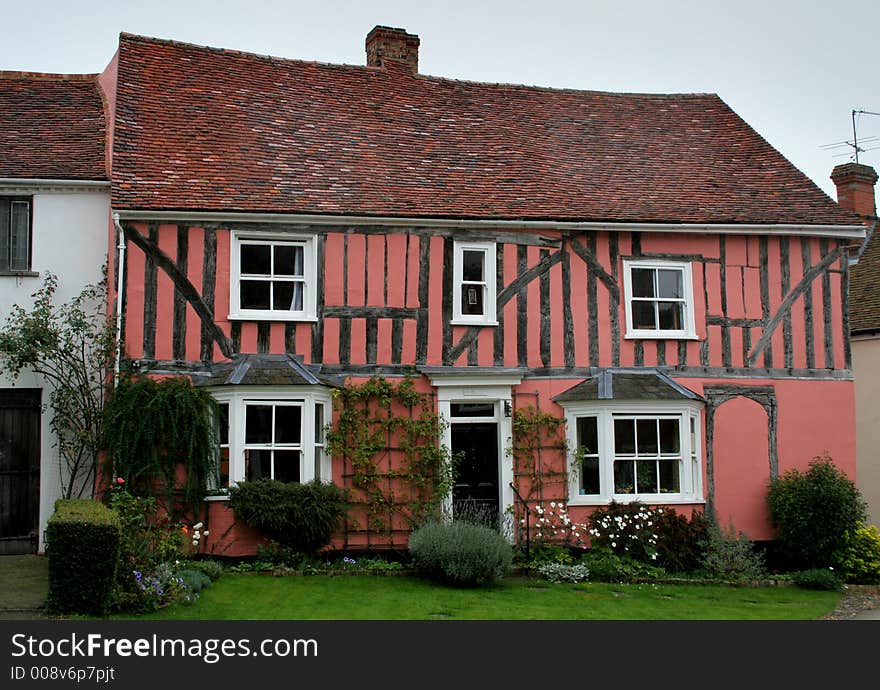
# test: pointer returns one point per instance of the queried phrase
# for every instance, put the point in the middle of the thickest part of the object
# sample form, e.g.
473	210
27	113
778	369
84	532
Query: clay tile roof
206	129
51	126
864	287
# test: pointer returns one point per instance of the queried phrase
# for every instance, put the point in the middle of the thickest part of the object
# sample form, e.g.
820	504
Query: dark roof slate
621	384
263	370
203	129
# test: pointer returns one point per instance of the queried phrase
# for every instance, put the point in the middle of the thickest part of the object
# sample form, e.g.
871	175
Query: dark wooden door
475	492
19	470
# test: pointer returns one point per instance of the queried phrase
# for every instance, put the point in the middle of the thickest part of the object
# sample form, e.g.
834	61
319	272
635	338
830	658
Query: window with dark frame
15	234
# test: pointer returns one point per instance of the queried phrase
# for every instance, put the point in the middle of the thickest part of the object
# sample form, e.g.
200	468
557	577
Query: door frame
460	385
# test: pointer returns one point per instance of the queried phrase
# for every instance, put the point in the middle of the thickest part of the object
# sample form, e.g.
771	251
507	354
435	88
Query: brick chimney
386	43
855	188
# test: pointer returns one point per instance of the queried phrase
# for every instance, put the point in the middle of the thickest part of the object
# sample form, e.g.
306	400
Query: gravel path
856	600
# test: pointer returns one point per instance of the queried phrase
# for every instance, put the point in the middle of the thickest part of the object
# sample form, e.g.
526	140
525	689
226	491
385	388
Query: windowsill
20	274
220	497
271	316
461	322
647	500
660	335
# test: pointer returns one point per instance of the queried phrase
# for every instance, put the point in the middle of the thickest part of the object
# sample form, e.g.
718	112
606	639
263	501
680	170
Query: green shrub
194	580
681	542
284	556
302	517
213	569
559	572
861	560
626	529
817	578
83	548
606	566
815	512
460	553
543	554
731	555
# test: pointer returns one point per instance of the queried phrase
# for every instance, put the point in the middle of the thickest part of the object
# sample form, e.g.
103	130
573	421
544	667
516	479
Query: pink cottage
646	268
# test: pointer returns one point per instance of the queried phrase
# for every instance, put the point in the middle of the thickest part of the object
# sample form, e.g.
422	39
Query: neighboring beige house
855	192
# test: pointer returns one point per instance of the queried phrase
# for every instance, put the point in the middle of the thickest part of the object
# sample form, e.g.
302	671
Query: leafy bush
861	559
195	580
283	556
460	553
817	578
209	567
606	566
681	543
731	555
543	554
815	512
559	572
83	548
302	517
626	529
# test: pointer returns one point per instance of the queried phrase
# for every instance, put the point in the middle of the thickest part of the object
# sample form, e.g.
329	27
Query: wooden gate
19	470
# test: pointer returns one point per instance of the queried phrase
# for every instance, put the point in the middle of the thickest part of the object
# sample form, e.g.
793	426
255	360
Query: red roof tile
205	129
51	126
864	287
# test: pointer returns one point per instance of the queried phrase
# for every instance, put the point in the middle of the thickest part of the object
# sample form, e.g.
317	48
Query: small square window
659	299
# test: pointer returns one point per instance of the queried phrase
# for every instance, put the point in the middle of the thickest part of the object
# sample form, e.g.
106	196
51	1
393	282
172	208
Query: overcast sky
794	70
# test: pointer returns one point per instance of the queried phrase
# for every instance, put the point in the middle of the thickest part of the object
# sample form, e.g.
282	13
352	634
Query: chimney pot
387	43
855	187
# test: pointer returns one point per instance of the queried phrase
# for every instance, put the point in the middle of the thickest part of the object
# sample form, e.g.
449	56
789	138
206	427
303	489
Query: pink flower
120	480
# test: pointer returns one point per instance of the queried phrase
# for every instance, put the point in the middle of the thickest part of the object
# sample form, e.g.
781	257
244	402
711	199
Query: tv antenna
855	144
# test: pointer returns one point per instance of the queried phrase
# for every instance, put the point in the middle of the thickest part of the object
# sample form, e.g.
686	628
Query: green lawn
375	597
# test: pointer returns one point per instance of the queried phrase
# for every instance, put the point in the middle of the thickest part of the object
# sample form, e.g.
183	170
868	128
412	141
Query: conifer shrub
83	550
461	554
815	513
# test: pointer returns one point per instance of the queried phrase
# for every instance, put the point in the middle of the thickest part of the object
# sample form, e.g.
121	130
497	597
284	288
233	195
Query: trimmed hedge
83	550
460	553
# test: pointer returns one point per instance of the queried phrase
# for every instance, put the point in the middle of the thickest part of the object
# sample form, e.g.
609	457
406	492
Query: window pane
472	265
257	465
4	235
287	465
20	236
646	432
643	282
669	476
482	409
624	436
588	435
643	315
287	296
589	477
646	476
319	423
624	481
254	294
256	259
223	478
472	300
671	316
288	424
288	260
258	424
670	283
223	423
669	441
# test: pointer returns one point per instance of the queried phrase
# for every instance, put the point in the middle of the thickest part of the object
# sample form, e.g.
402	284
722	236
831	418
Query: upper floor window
473	277
659	299
273	278
15	234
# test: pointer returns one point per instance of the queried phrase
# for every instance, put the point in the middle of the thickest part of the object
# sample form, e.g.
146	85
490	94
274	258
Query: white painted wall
69	239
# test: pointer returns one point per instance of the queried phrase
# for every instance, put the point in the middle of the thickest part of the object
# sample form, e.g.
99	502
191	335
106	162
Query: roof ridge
47	76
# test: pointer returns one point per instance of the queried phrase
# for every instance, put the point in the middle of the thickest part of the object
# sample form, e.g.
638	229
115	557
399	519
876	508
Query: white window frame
690	450
307	397
488	317
310	273
689	331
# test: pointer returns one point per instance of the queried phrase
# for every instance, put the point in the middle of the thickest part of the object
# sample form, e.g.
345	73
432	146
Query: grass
375	597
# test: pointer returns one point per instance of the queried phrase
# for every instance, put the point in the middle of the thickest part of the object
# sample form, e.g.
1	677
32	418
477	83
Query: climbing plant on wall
159	434
386	437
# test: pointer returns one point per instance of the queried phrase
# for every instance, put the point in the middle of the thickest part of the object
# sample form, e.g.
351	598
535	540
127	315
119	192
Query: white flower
552	504
198	525
205	533
195	542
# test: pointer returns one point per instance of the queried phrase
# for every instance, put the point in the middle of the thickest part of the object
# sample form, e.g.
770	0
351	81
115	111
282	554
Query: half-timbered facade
644	266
